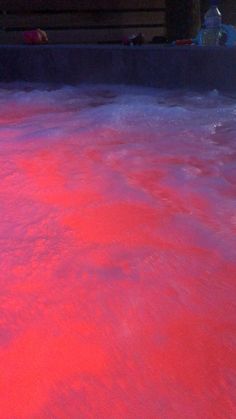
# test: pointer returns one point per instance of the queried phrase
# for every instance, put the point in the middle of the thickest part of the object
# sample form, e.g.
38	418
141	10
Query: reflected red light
117	285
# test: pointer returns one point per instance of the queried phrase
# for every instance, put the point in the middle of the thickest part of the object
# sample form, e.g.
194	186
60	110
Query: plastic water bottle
213	21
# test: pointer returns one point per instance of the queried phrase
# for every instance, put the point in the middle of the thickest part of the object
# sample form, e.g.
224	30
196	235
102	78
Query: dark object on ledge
136	39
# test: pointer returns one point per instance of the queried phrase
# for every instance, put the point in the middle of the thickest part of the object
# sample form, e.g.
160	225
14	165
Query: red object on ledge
184	42
35	37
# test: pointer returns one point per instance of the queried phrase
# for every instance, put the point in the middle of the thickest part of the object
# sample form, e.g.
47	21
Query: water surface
117	266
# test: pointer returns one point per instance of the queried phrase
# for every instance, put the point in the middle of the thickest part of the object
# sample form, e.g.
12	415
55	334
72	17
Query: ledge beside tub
164	66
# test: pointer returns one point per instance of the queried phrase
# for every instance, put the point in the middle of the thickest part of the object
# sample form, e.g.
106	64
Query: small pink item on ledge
184	42
35	37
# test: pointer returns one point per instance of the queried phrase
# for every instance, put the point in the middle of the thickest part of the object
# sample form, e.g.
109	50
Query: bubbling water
118	267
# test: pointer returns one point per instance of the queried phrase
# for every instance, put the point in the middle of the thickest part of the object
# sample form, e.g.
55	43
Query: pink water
118	243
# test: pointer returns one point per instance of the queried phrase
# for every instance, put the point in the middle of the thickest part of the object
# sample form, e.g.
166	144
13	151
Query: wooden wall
82	21
106	21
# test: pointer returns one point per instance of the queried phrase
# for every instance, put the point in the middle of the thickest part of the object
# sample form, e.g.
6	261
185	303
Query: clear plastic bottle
213	21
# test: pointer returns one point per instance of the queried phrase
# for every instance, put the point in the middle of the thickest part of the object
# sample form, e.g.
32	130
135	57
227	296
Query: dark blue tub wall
158	66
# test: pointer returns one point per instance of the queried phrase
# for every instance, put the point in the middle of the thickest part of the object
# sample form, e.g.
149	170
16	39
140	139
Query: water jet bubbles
214	94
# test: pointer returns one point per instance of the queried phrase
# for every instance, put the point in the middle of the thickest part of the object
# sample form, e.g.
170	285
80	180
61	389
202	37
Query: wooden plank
228	10
20	5
183	20
85	19
85	35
